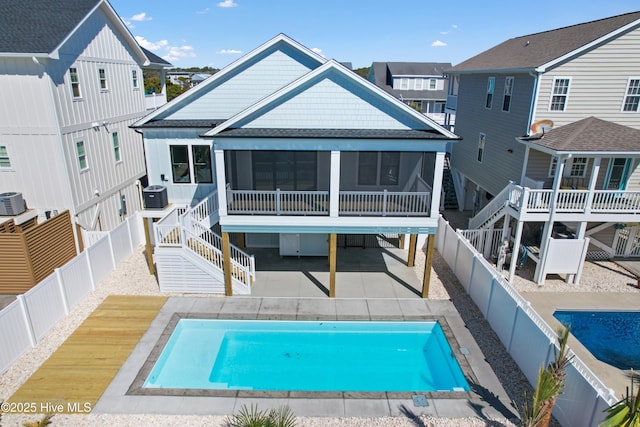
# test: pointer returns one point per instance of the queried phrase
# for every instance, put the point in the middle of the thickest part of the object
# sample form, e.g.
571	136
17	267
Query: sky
214	33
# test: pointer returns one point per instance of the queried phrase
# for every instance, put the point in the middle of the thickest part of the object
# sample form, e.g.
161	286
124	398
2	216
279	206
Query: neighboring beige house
512	99
71	76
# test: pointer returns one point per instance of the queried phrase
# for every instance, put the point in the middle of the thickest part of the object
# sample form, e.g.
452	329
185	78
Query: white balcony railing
373	203
575	201
155	100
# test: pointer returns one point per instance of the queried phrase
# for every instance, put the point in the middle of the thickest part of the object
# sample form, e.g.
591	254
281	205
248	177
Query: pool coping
487	398
137	386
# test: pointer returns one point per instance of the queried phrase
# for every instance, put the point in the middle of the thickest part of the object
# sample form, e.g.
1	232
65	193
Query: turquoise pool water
611	336
307	356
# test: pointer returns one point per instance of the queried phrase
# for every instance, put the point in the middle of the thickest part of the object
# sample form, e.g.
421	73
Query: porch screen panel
306	171
284	170
389	168
367	167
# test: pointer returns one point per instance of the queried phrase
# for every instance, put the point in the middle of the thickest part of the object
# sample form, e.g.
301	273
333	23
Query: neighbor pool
307	356
611	336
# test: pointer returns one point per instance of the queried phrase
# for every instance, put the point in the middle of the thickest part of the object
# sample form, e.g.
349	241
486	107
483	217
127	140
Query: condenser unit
155	197
11	204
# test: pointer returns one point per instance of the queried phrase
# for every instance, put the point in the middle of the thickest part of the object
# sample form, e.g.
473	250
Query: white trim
552	94
230	69
626	94
504	92
326	67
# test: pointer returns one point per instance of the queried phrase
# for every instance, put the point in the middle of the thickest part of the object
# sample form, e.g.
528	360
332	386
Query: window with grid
632	96
508	91
134	78
82	156
102	76
75	82
553	166
559	94
418	83
491	84
5	162
116	146
433	84
481	141
578	167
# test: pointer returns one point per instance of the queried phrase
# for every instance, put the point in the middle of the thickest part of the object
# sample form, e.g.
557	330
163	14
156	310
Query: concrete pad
406	408
366	408
278	308
318	407
352	309
413	309
381	309
317	309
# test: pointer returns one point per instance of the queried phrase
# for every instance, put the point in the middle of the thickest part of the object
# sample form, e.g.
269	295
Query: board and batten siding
261	77
498	165
598	83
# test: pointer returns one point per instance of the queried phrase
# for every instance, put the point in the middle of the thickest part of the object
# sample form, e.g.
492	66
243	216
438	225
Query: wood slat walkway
77	374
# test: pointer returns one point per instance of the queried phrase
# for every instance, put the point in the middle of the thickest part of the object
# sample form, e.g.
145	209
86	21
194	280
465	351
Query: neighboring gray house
421	85
71	76
553	84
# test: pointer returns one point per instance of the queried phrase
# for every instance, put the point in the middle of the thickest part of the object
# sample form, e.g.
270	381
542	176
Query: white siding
244	89
598	83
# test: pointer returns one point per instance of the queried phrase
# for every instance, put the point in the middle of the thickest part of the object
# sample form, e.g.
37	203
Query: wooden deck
77	374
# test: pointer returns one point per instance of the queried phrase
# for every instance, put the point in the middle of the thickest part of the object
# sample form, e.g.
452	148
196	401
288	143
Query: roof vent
11	204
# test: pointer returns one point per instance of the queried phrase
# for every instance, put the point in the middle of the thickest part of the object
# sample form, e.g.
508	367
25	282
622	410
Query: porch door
617	174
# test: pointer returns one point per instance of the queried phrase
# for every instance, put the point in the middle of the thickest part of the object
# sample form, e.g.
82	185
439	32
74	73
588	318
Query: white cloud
229	52
202	12
318	51
454	26
444	33
140	17
438	43
227	3
151	45
179	52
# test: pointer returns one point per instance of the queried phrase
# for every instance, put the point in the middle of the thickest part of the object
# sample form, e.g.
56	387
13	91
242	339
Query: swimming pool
348	356
611	336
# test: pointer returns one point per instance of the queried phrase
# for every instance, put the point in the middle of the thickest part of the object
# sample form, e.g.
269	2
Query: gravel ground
132	278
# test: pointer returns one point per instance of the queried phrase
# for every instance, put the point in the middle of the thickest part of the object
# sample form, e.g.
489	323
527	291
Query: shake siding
260	79
315	108
501	128
598	83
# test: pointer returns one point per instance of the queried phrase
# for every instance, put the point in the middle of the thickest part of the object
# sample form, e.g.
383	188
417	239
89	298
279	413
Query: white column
221	183
334	184
438	170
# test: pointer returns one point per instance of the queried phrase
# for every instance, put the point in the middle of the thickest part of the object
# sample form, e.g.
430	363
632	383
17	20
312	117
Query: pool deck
487	400
546	303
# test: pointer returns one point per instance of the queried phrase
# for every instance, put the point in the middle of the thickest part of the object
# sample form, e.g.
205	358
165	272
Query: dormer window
433	84
404	84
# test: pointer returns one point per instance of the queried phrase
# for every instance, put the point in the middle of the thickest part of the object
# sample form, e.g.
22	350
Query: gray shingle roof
39	26
331	133
207	124
590	135
384	72
155	59
534	50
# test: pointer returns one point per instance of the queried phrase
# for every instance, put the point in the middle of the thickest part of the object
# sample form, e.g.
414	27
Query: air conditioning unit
155	197
11	204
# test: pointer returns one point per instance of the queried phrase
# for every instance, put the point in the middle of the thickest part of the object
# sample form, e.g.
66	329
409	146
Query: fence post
113	256
63	293
92	279
129	232
384	202
278	202
27	320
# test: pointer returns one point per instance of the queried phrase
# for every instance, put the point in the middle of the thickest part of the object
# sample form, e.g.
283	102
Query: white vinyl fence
525	335
24	322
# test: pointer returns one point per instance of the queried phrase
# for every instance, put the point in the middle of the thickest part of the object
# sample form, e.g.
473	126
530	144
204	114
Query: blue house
288	150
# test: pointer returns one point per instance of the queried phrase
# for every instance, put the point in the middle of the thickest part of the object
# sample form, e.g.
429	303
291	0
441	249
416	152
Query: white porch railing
278	202
486	241
581	201
155	100
385	203
494	207
167	229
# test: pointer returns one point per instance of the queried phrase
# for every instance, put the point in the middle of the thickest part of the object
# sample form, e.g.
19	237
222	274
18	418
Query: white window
508	91
102	76
553	166
82	156
5	162
378	168
632	96
186	164
481	141
559	94
433	84
404	83
75	83
578	167
418	83
116	146
491	84
134	78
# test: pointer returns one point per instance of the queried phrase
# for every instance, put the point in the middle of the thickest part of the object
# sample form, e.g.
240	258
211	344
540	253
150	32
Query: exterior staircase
450	200
189	255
